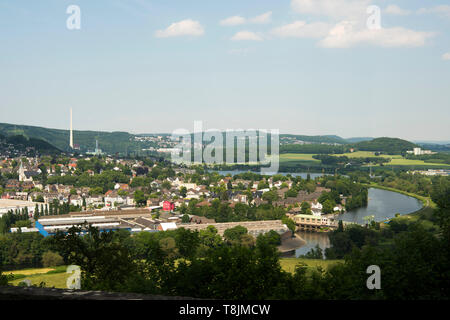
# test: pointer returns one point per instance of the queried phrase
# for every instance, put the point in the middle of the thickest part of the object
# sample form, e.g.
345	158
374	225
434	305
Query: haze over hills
359	139
124	142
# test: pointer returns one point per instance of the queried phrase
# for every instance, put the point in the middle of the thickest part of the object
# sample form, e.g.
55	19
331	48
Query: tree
328	206
106	264
3	279
169	247
340	226
52	259
209	237
183	191
166	185
185	219
263	185
305	206
272	237
233	235
36	212
289	223
270	196
139	198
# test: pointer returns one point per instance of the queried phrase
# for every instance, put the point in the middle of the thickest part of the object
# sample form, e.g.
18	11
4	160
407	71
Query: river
382	205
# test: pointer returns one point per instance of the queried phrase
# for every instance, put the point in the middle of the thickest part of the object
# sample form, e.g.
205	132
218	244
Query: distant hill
109	142
124	142
442	142
358	139
22	144
387	145
435	147
316	139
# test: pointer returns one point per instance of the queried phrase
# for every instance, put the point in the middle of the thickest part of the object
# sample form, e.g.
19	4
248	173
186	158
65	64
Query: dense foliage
387	145
413	258
312	148
356	194
344	160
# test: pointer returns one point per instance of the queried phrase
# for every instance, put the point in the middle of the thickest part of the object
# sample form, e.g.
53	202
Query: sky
312	67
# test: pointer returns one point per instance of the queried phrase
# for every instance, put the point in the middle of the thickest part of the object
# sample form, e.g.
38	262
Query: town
54	194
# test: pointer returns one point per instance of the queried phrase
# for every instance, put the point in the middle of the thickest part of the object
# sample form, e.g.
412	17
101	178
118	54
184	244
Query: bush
52	259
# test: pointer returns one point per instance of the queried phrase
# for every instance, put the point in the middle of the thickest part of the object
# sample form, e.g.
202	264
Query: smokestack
71	130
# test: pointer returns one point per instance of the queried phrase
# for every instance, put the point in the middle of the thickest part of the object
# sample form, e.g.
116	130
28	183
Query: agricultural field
396	160
409	162
52	277
288	264
366	154
286	157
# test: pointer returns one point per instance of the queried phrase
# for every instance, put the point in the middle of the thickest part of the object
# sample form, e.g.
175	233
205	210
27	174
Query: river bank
289	245
383	205
427	202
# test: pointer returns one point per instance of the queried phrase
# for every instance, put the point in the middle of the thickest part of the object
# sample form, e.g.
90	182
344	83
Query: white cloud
442	10
346	34
263	18
301	29
238	20
186	27
446	56
348	9
233	21
247	35
396	10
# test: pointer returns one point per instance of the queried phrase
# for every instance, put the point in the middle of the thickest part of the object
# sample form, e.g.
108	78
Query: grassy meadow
288	264
52	277
396	160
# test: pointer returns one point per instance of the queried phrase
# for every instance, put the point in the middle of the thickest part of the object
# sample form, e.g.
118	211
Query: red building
168	206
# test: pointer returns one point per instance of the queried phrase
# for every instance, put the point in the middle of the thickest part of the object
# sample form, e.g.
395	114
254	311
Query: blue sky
301	66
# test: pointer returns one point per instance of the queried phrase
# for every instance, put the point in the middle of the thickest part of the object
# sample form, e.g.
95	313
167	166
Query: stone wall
36	293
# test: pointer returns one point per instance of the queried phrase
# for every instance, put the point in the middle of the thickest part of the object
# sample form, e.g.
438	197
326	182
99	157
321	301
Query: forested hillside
387	145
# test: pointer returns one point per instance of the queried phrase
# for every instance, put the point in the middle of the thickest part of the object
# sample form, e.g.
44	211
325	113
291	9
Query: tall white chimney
71	130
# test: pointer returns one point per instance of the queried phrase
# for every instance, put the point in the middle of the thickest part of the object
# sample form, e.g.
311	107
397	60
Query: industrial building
131	220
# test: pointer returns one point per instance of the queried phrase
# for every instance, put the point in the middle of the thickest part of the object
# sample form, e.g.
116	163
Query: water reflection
312	239
382	205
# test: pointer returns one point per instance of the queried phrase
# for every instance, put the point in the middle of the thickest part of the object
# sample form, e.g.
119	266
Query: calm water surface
382	205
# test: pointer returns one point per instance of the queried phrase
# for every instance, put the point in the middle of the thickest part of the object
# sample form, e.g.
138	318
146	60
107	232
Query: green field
288	264
397	160
30	271
366	154
409	162
39	275
286	157
56	280
291	159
